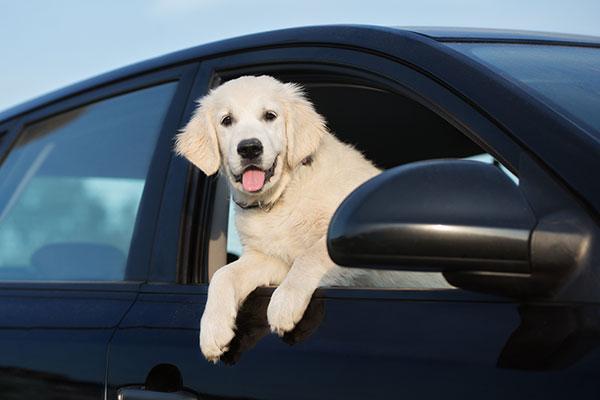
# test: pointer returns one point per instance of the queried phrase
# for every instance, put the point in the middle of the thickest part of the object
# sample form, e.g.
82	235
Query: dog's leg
290	299
228	289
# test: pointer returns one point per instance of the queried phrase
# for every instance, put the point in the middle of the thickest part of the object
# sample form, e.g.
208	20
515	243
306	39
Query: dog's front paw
216	332
285	309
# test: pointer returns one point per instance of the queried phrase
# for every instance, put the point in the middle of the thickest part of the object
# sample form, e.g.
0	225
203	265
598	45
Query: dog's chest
284	232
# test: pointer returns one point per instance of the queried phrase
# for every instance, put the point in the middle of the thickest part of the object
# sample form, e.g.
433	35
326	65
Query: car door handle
138	393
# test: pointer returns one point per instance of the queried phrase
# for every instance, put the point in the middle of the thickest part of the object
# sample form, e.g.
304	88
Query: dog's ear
304	128
198	142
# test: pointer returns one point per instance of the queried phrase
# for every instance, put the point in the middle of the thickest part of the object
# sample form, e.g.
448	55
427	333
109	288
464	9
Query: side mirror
464	218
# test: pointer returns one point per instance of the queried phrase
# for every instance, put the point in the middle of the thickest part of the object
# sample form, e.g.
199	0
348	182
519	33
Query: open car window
391	129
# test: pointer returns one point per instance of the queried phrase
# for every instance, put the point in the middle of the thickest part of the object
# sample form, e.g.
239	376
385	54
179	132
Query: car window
234	245
397	131
488	159
71	186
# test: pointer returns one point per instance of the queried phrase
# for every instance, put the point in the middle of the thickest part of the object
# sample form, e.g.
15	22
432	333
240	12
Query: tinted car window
71	186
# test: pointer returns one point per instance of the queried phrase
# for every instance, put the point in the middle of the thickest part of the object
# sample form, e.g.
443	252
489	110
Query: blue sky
45	45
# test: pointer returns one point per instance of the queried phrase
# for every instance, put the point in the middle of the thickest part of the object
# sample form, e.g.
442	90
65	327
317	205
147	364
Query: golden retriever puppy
287	174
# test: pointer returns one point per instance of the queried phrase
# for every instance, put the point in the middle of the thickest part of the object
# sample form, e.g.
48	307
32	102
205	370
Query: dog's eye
226	120
270	116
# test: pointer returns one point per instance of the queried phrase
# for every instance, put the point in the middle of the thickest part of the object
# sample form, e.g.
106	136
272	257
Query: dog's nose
250	148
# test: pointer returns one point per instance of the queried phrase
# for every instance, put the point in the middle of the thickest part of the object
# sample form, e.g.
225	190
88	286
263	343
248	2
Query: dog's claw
213	360
278	331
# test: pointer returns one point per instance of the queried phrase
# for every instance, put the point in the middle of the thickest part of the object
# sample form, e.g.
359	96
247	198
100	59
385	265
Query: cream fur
284	239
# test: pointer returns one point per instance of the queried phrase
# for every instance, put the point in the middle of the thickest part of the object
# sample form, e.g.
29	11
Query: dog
287	174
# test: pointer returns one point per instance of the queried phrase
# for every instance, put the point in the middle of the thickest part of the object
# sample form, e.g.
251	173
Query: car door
352	342
79	189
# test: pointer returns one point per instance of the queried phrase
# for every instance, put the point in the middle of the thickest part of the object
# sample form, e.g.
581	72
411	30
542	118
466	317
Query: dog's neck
307	162
247	206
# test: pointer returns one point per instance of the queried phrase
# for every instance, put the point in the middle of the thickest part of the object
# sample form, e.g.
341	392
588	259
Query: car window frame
404	79
142	242
7	129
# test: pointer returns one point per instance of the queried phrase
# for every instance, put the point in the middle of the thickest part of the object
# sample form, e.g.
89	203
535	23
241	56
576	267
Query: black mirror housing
437	215
466	219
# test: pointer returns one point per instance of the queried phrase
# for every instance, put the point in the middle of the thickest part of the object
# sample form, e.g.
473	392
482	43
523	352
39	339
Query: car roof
357	35
502	35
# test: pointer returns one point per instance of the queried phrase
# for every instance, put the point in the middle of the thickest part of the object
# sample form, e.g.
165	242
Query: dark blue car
108	240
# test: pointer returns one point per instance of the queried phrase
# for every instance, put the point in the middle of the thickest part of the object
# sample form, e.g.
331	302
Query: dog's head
257	130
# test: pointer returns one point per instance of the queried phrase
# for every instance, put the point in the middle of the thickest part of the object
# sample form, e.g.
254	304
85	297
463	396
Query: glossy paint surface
373	343
53	343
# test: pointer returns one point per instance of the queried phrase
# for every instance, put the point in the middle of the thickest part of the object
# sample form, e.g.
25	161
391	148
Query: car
490	142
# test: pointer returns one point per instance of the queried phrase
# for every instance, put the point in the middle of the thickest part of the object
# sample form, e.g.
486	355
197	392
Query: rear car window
71	186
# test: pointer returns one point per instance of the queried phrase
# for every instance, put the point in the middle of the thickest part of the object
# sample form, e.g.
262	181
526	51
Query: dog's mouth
254	178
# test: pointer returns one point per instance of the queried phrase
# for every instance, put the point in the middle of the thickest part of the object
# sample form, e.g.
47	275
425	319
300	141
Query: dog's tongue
253	180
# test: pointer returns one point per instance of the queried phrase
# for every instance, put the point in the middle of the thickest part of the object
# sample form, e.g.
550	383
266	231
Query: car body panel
408	344
52	339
